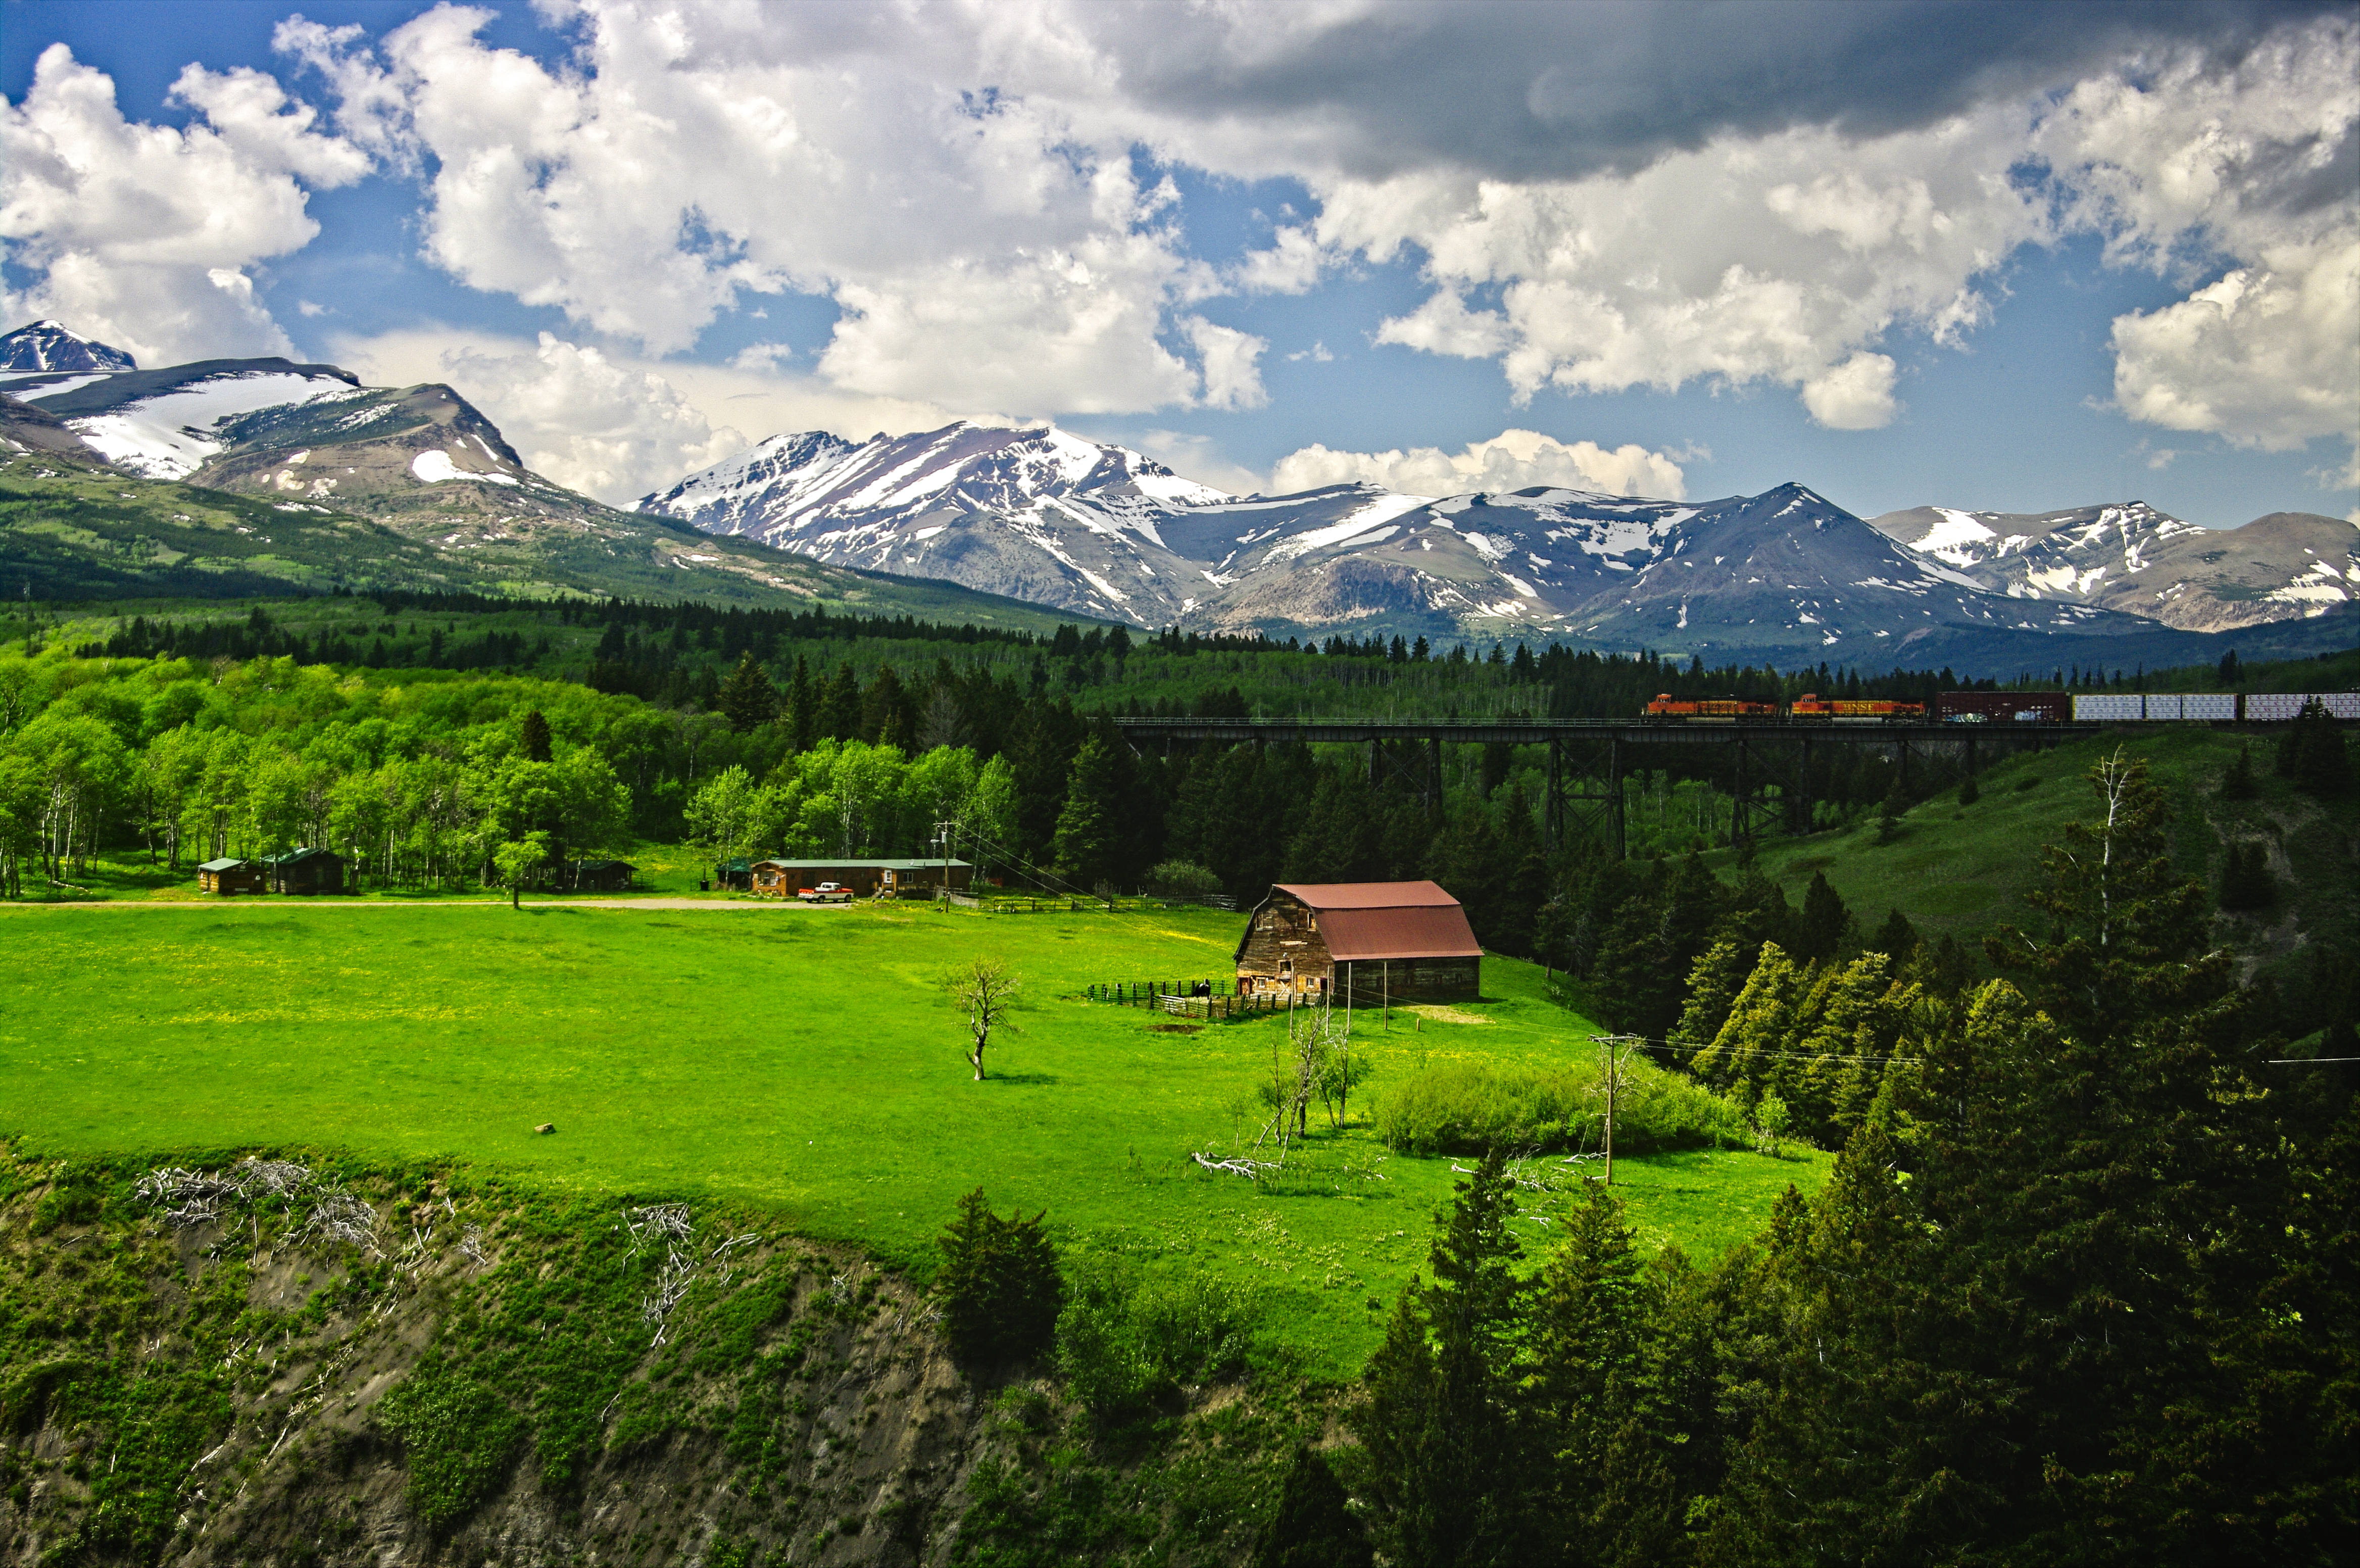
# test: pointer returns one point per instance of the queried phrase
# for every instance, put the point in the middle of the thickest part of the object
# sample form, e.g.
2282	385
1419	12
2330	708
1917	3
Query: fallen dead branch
189	1198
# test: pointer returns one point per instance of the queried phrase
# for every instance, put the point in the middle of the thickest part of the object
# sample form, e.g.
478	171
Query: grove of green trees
2084	1287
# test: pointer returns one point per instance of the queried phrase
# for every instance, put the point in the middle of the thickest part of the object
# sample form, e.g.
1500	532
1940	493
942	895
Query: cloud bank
1597	198
1512	460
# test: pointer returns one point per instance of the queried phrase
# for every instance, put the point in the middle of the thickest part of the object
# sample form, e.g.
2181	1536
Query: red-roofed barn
1361	941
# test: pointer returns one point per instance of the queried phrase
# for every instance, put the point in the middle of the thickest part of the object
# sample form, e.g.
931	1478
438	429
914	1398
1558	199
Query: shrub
1315	1526
1182	878
1472	1107
1126	1341
461	1437
1000	1286
2246	881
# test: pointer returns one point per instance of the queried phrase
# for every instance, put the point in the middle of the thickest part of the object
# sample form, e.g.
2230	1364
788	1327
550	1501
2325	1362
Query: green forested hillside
73	530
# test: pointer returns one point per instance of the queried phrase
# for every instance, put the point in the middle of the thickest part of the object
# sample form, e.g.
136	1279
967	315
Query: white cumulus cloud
1854	395
614	425
606	429
1232	362
1512	460
2180	166
1743	261
144	235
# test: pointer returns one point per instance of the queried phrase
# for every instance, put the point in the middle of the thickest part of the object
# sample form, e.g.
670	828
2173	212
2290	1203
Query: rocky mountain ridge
326	451
1041	514
2129	556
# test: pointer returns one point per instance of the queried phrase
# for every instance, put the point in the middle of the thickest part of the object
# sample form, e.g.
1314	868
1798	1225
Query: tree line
2080	1289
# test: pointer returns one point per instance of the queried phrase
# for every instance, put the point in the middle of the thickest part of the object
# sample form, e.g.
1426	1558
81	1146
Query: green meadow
803	1061
1961	869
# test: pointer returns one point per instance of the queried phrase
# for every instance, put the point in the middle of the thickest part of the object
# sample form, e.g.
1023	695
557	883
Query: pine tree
1608	1494
886	714
2238	783
1086	839
1822	928
748	699
1759	1020
2312	752
1714	981
2117	909
999	1285
840	706
1445	1469
802	713
1313	1527
532	736
1896	938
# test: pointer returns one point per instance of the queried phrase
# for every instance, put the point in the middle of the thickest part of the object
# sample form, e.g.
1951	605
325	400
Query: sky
2004	256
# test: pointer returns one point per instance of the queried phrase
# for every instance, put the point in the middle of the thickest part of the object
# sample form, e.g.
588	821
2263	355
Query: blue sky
1300	249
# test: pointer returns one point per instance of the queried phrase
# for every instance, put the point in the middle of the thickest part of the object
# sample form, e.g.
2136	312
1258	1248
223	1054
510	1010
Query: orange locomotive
1853	710
1724	710
1810	707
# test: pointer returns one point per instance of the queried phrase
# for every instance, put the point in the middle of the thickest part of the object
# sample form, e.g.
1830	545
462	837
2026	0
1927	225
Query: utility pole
943	835
1615	1050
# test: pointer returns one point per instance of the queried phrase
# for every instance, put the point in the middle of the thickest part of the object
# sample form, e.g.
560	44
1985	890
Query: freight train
1810	707
2011	708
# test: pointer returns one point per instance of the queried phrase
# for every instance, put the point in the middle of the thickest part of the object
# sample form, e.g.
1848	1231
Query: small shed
866	879
1360	942
733	876
224	878
600	876
303	869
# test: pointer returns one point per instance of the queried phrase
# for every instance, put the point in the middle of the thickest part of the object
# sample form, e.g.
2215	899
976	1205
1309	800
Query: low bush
1472	1107
461	1437
1127	1339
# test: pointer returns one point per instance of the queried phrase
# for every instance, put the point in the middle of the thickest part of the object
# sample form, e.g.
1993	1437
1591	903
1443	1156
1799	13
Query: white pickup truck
825	892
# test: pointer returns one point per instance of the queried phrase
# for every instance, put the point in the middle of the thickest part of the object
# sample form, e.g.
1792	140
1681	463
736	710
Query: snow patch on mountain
172	435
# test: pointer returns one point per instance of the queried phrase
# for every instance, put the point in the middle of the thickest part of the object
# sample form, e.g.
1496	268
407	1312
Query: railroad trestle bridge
1589	758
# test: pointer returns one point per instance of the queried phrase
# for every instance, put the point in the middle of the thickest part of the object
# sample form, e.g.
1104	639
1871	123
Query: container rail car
2013	708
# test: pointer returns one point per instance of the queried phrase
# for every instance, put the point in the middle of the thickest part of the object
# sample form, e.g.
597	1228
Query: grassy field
1962	869
803	1059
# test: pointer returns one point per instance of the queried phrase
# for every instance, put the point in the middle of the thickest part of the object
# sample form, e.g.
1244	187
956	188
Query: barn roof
1366	921
298	855
229	865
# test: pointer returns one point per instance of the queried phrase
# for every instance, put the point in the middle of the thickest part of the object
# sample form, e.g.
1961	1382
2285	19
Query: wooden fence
1189	999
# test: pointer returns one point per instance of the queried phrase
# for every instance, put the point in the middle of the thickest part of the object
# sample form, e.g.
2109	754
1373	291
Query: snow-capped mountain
50	346
2129	556
420	460
1044	515
1035	514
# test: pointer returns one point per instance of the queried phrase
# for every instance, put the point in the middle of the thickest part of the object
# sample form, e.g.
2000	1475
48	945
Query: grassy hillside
73	530
1962	869
803	1061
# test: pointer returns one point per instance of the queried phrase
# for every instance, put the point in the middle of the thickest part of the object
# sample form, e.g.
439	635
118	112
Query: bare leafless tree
987	991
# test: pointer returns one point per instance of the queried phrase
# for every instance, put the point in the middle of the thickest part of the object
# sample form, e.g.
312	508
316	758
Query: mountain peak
54	347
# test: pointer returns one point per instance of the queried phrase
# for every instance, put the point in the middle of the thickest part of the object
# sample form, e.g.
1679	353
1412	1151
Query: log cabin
224	878
1360	942
303	870
600	876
